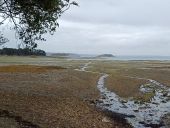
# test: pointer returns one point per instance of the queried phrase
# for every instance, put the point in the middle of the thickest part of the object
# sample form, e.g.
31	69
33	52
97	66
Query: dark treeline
22	52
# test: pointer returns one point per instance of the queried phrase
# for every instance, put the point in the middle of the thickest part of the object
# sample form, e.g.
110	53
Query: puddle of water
84	67
138	115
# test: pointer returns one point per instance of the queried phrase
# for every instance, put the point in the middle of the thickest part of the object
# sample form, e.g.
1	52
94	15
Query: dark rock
136	110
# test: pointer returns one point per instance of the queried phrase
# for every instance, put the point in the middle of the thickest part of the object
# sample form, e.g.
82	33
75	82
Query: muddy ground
124	79
49	93
50	97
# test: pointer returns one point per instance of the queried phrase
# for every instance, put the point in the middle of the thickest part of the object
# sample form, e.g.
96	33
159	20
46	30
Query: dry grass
27	68
142	98
50	97
129	87
54	98
8	123
162	76
124	86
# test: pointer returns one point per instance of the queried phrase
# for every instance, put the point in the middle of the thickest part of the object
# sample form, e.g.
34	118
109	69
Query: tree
22	52
33	18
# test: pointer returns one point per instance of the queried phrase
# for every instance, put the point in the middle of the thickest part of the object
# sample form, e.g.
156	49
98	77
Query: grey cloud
121	27
131	12
116	39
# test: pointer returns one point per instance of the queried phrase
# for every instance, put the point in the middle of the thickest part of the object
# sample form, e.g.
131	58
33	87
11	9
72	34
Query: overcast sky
120	27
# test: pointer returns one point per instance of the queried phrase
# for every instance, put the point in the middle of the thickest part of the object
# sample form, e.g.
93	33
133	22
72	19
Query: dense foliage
33	18
22	52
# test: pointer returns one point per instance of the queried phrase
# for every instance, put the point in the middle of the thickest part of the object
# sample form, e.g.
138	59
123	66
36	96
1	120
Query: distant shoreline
108	56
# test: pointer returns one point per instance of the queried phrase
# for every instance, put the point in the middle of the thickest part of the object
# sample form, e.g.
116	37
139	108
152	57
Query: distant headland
105	56
80	56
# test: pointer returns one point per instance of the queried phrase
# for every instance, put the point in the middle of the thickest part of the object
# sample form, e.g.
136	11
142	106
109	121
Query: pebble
105	120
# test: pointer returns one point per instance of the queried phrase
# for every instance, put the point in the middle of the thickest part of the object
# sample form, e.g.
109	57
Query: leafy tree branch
33	18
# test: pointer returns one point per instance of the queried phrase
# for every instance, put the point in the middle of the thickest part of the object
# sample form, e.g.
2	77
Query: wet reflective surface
138	115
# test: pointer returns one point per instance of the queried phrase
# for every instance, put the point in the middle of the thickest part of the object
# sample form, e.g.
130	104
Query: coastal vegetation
32	19
22	52
56	91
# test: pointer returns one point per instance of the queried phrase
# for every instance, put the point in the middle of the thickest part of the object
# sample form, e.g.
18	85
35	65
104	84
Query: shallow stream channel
139	115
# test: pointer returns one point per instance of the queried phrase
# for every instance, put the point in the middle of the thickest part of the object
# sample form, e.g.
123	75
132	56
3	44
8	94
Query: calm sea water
117	57
141	58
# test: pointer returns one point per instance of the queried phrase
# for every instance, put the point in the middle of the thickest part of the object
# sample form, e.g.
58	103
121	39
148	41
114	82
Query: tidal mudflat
54	92
40	92
146	105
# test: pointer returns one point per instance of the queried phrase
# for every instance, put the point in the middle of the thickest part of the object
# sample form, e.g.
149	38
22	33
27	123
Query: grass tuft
27	68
